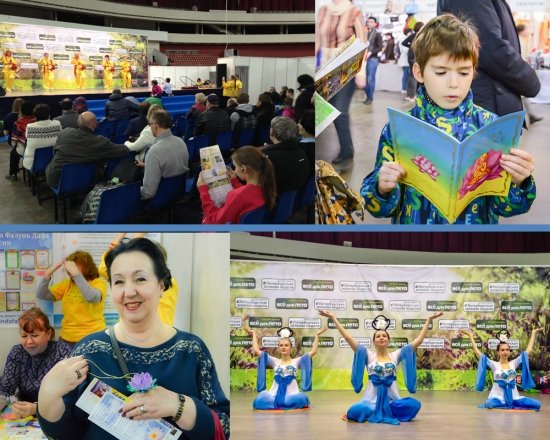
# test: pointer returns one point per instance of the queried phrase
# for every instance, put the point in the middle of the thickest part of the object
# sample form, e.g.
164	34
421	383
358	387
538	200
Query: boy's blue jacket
405	205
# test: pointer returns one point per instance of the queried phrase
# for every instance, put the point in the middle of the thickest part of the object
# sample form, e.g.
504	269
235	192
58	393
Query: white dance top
375	368
284	370
508	375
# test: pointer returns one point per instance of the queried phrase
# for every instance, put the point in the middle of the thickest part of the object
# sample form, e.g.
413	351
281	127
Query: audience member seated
11	118
137	124
28	362
213	120
68	117
290	94
80	105
117	107
243	116
276	99
289	160
40	134
145	139
253	168
81	145
19	138
283	91
264	111
289	111
156	90
306	128
231	105
167	156
303	101
198	107
167	88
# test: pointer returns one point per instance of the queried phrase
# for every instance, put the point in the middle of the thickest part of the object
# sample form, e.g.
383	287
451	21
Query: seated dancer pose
381	402
504	393
284	393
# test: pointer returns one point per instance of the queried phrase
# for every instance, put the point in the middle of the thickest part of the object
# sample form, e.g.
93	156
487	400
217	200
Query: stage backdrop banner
28	44
485	299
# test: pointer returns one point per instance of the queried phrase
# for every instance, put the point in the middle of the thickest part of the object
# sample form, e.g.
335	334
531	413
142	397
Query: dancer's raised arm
328	314
418	340
531	344
255	346
315	346
474	345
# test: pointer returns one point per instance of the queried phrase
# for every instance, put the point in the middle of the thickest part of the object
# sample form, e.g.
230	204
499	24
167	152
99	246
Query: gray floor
444	415
368	121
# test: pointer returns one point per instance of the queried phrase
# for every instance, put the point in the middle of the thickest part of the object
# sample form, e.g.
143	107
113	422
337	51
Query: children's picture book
102	403
214	173
449	173
340	69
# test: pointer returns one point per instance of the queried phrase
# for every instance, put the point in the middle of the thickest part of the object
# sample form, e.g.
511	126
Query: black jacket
290	165
502	75
212	121
119	108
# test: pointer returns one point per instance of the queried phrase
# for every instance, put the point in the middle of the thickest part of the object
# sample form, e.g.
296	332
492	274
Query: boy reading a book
446	51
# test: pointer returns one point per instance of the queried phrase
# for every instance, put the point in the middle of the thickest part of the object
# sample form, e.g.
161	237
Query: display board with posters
28	43
484	299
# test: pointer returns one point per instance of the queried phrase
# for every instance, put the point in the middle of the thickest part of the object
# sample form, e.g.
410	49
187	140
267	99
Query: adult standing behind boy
374	39
212	121
167	156
81	145
502	77
446	51
117	107
68	117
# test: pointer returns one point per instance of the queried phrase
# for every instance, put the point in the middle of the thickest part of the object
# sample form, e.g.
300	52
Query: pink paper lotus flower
425	165
485	167
141	383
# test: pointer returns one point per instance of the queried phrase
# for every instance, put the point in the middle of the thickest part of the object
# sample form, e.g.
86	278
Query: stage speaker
221	70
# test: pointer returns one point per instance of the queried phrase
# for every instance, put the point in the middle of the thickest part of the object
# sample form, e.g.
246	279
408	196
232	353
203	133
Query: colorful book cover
338	71
449	173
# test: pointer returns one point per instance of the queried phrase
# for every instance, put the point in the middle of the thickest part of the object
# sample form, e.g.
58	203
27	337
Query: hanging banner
486	300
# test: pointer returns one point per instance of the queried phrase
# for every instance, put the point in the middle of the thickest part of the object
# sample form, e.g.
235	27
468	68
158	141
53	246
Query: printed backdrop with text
486	299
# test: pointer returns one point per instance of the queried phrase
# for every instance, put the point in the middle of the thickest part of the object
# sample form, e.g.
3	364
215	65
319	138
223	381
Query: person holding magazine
446	51
255	169
172	373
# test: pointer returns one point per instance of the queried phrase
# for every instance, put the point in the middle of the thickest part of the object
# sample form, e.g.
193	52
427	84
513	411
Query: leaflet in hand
215	174
339	70
449	173
102	402
324	114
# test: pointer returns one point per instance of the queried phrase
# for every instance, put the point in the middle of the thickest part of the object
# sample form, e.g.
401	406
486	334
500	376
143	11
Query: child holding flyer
446	51
252	167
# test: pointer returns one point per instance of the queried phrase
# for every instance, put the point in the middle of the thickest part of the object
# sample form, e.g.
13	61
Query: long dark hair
259	162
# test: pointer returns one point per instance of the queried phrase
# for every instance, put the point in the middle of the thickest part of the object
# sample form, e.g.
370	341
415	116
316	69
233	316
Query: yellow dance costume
47	66
9	71
108	70
126	74
79	73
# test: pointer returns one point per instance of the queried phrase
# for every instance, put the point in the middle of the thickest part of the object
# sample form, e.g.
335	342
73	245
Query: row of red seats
192	60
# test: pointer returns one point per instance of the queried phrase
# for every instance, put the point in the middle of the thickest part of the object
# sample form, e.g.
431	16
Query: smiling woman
186	393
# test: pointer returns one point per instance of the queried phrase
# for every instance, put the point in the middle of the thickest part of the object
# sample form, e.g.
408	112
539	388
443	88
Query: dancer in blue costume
381	402
284	393
446	51
504	393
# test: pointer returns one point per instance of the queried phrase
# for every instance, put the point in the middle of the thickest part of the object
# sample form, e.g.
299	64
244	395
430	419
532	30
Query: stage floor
445	415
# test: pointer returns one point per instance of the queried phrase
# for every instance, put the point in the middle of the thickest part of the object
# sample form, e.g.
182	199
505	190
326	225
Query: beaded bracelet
181	398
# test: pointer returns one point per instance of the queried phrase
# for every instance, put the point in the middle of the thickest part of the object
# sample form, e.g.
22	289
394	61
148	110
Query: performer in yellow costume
126	73
108	70
10	66
79	71
47	66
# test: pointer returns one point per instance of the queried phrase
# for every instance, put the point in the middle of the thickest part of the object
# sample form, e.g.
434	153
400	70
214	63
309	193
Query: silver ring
78	374
142	409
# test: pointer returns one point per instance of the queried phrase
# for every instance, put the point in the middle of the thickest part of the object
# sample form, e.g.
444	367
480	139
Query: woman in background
29	361
82	296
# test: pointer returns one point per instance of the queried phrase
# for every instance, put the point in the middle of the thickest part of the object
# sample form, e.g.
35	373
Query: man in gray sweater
167	156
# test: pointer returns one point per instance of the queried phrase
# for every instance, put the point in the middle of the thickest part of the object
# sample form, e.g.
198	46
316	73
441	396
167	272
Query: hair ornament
285	332
380	323
503	336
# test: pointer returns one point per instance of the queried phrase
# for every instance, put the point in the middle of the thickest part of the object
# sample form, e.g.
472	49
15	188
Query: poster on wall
23	258
28	44
484	299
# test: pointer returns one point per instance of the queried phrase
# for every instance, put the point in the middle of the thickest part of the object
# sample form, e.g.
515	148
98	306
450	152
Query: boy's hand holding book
388	177
519	164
